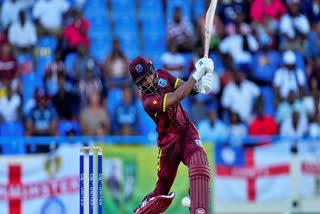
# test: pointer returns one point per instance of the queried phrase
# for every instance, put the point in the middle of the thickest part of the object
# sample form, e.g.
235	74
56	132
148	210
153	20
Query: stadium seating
185	6
146	124
151	27
42	62
198	8
69	62
97	23
268	97
12	129
47	42
154	44
187	57
113	100
100	47
64	126
22	57
150	10
30	82
218	65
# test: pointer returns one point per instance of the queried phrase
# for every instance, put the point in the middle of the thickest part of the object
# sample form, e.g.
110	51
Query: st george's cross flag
252	174
41	184
309	167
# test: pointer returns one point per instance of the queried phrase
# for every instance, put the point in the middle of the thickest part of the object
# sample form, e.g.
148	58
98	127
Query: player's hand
203	65
206	83
198	86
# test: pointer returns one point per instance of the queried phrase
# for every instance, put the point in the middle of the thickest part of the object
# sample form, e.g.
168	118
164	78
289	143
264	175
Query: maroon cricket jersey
170	122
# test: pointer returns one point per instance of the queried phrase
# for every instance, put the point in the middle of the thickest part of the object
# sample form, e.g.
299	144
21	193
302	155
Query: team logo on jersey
162	82
154	102
139	68
199	143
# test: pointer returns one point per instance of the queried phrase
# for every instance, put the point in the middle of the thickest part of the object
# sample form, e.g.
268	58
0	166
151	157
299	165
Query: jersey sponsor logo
138	68
199	143
154	102
162	82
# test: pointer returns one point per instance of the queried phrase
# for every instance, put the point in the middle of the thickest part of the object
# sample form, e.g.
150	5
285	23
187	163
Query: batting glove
203	65
206	83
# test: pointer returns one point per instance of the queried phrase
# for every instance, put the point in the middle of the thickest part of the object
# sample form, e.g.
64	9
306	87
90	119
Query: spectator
93	115
179	30
84	62
23	36
236	129
312	46
65	102
8	64
238	96
262	11
173	61
313	130
315	74
3	38
10	106
88	85
311	9
294	27
288	77
9	12
76	33
265	63
217	28
42	119
79	4
286	107
48	15
115	66
101	130
212	128
126	113
233	11
52	71
262	125
240	46
311	103
295	125
126	130
68	128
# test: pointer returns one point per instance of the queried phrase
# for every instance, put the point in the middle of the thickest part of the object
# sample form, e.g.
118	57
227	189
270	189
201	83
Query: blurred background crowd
64	65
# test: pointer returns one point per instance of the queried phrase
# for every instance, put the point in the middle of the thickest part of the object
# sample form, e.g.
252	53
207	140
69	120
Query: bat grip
207	38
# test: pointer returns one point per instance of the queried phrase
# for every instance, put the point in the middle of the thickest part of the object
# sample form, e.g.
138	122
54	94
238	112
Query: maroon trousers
185	144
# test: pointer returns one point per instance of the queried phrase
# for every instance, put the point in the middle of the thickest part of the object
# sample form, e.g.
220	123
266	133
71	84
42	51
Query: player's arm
181	82
203	65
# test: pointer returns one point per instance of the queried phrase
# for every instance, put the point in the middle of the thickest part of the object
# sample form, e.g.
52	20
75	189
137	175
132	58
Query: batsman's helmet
139	68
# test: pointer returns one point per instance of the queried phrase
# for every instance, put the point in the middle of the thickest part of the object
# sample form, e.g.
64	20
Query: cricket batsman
178	139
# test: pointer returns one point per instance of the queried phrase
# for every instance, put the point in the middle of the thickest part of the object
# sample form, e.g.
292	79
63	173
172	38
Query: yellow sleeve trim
176	83
164	103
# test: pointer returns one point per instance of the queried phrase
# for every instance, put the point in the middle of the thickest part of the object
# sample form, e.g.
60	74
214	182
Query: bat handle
207	38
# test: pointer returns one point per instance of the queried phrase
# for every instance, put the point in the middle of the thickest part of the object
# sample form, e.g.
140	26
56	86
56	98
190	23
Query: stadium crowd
53	82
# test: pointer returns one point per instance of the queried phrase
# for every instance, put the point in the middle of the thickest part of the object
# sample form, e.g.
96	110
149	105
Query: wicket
83	196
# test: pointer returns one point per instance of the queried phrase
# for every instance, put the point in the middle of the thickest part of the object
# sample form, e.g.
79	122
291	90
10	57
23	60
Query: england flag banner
41	184
309	167
252	174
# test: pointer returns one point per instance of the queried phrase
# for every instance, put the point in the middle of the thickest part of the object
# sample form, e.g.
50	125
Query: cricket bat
208	26
207	31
